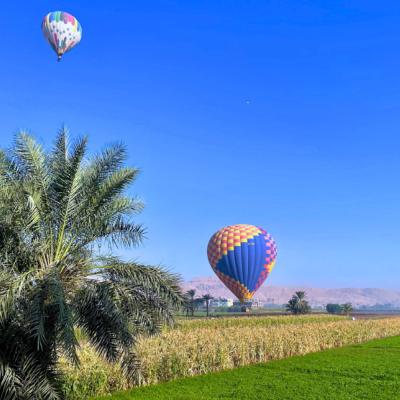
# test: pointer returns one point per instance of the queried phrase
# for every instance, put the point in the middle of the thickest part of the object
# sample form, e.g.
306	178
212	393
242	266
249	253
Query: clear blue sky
283	114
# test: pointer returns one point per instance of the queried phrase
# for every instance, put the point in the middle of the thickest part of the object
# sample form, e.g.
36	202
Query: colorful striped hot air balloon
62	30
242	256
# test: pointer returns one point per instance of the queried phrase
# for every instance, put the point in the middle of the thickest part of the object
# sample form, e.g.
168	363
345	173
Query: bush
298	304
334	308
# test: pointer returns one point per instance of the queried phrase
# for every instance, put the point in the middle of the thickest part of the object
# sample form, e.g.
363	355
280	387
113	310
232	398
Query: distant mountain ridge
316	296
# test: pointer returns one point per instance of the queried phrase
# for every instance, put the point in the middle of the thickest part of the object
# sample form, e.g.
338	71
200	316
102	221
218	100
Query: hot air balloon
242	256
62	30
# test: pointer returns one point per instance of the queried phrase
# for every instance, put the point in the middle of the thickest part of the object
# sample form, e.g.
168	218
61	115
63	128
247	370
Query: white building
221	302
256	303
253	303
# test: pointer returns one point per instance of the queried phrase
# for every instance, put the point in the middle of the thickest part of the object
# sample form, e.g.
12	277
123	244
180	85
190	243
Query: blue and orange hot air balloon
242	256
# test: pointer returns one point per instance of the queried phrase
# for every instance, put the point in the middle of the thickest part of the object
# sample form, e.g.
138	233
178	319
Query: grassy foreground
364	371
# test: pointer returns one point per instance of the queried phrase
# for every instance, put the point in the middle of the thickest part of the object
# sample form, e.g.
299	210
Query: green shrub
334	308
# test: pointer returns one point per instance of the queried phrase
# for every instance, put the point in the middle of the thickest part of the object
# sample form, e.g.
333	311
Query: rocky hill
317	296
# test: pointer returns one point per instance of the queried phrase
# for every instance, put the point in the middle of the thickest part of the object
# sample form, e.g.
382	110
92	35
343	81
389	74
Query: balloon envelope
242	256
62	30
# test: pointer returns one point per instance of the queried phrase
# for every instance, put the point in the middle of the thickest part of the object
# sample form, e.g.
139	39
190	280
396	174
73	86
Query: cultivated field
253	321
365	371
202	346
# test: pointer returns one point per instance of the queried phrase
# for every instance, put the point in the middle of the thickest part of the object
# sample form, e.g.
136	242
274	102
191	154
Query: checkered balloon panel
242	256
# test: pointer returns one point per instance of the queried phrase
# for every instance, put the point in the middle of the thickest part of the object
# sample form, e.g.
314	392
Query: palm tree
190	296
347	308
207	298
298	304
59	212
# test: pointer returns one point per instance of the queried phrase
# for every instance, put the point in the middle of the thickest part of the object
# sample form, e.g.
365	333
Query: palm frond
31	158
99	316
12	287
113	186
9	382
158	280
68	189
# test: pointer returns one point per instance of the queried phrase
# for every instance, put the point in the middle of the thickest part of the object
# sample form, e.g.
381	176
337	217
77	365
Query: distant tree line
297	304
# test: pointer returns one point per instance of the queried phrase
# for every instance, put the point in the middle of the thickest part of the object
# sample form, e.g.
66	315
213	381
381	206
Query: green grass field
367	371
